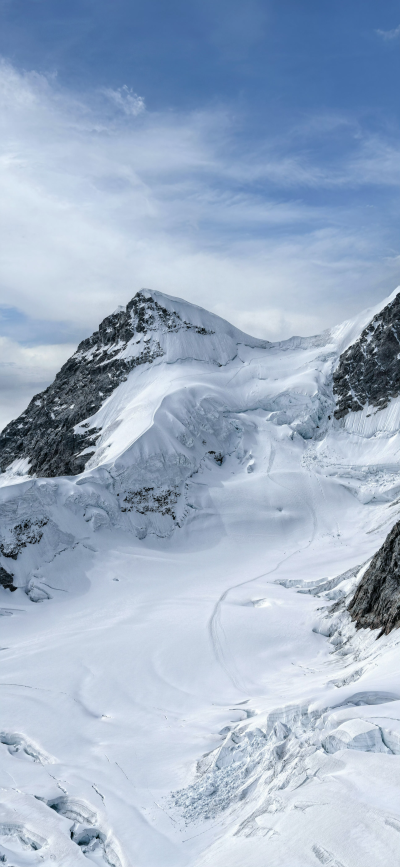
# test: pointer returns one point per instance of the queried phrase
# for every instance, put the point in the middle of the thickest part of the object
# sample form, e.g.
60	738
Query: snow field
176	688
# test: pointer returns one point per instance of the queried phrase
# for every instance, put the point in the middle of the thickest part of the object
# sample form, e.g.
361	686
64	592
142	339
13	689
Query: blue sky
244	155
279	57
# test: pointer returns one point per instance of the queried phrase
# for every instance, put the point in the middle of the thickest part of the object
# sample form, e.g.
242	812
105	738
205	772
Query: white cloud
25	371
96	202
125	99
389	34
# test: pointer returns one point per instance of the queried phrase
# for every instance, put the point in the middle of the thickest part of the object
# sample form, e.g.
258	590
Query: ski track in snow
218	636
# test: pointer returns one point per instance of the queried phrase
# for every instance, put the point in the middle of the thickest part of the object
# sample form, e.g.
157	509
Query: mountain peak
153	327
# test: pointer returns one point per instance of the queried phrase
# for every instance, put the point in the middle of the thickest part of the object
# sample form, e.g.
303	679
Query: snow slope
184	693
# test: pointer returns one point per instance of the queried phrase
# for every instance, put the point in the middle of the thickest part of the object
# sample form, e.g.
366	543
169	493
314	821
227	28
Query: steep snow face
181	681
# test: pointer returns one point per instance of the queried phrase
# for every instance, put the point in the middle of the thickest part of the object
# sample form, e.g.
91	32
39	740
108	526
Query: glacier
183	522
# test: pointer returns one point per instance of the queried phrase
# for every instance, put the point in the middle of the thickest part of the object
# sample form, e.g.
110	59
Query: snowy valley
186	514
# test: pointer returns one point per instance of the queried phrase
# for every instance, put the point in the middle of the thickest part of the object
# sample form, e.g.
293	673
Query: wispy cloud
24	371
125	99
389	34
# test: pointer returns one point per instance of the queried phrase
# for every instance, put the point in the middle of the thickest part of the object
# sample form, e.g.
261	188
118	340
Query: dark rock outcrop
27	532
369	370
44	433
376	603
6	580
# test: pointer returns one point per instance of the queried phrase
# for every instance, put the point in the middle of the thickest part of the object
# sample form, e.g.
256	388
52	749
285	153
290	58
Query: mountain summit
153	326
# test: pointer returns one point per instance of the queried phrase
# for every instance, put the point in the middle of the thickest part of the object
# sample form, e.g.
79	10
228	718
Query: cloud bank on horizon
235	155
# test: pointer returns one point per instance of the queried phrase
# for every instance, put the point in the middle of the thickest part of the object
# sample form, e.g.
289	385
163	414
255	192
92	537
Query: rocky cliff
376	603
369	370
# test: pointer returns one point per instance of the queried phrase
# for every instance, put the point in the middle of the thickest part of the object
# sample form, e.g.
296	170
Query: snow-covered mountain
195	509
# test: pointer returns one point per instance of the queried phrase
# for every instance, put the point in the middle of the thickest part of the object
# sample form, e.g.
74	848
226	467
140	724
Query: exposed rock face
27	532
6	580
44	433
376	603
369	370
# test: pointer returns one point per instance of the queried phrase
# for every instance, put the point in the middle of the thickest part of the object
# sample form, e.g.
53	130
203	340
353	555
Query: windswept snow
181	682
